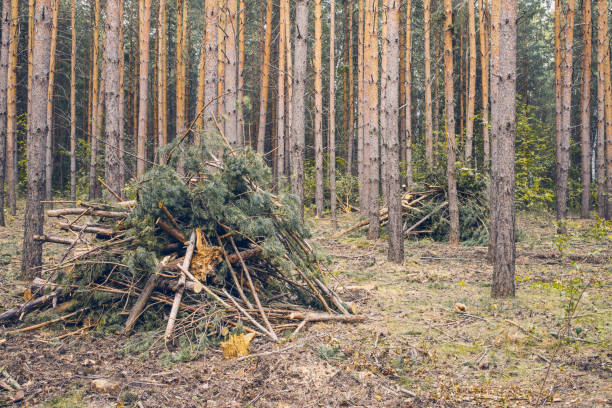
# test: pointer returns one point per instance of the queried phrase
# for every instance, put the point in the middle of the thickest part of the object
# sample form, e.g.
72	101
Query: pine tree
332	112
585	113
11	126
73	136
408	95
231	73
428	115
96	121
5	21
265	78
144	28
471	92
602	53
318	107
370	145
483	20
162	77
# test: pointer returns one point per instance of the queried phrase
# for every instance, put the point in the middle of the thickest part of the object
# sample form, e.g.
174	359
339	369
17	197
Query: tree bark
289	86
602	58
390	137
503	163
449	93
483	20
331	144
73	137
350	113
162	79
112	56
362	162
182	10
428	115
563	158
370	148
585	113
95	95
5	21
265	79
408	97
144	28
211	64
280	105
318	106
231	74
241	54
469	128
299	90
11	126
49	151
36	140
608	109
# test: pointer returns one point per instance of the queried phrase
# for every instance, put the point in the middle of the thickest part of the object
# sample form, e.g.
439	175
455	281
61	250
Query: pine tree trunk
231	73
73	136
221	26
449	93
408	97
350	112
608	110
122	166
5	21
11	126
36	141
289	86
585	110
162	79
362	163
112	54
483	19
299	89
265	79
559	35
602	53
390	137
503	163
428	115
144	28
370	148
318	106
280	104
199	120
182	11
331	143
49	151
563	160
469	129
95	92
211	64
241	54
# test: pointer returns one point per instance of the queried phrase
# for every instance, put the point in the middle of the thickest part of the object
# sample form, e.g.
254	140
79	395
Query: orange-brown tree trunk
265	78
602	59
370	147
96	122
608	109
585	114
483	20
144	28
49	150
162	78
408	97
469	128
331	143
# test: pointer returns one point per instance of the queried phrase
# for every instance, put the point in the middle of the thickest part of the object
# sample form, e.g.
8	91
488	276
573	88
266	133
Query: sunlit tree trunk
559	35
494	68
280	105
162	78
428	115
608	109
95	122
331	143
211	64
221	59
122	166
5	21
483	19
182	10
231	72
350	105
298	126
469	128
49	151
602	58
362	162
73	137
30	42
449	95
318	107
265	79
563	160
11	125
408	96
289	86
389	132
585	112
144	28
241	54
370	148
199	120
504	120
36	140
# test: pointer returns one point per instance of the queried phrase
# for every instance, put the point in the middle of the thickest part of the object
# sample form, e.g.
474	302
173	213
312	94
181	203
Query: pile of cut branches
209	252
425	209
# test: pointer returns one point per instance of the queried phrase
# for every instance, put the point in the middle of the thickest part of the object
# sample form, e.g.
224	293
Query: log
181	287
170	230
54	239
143	298
61	212
48	322
163	208
325	317
27	307
106	232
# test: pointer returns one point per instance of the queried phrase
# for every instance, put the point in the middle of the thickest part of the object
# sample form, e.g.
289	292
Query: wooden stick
248	316
72	333
233	273
163	208
15	312
422	220
321	317
107	232
170	230
54	239
48	322
332	296
253	291
181	287
143	298
60	212
109	189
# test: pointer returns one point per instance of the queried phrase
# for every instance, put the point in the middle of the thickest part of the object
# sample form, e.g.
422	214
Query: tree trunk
231	72
280	105
408	97
96	121
289	86
428	116
469	128
265	79
144	28
49	151
350	113
483	20
370	148
182	10
199	120
331	143
30	42
241	54
11	126
36	140
211	64
585	110
602	58
563	158
362	162
318	106
112	56
504	120
122	166
390	137
608	109
73	137
162	79
298	126
4	60
449	93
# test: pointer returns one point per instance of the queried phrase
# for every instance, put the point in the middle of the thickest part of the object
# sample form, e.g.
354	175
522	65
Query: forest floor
414	350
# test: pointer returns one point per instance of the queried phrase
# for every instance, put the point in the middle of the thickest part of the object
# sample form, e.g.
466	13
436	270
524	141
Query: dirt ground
433	336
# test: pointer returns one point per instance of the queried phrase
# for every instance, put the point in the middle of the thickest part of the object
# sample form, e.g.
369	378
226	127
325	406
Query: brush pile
425	209
212	252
